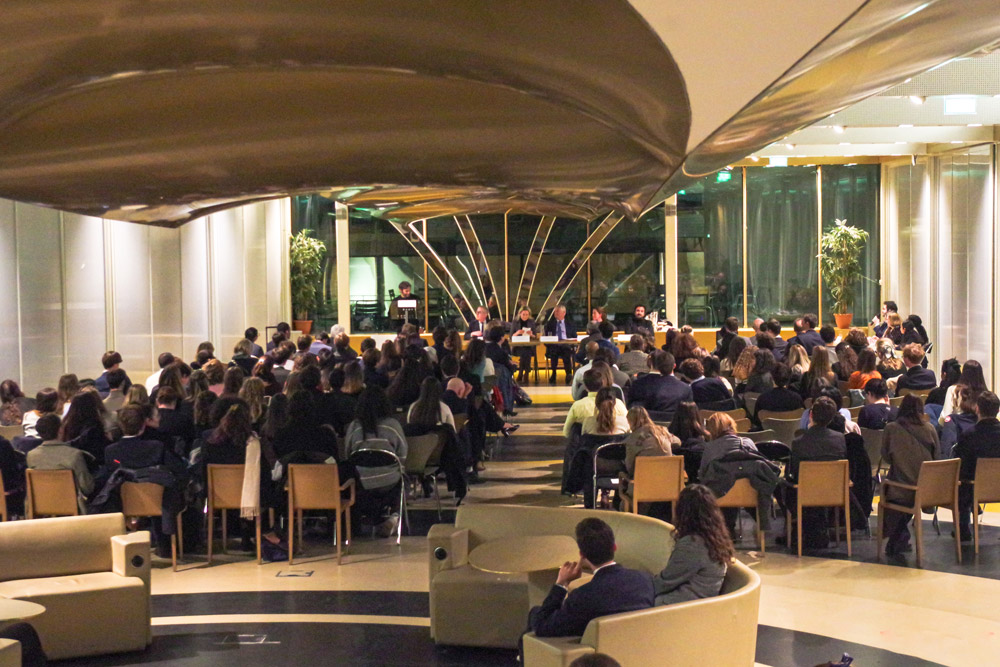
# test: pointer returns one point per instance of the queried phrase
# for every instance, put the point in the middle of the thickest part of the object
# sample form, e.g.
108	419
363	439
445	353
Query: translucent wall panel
84	287
908	237
133	325
229	288
194	286
39	264
851	193
782	242
965	257
710	250
165	287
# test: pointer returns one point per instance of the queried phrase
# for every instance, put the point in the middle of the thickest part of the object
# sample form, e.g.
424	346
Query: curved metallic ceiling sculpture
160	112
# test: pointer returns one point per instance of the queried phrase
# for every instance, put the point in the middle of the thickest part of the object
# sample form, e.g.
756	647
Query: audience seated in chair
612	590
982	441
780	398
877	412
703	389
659	390
53	454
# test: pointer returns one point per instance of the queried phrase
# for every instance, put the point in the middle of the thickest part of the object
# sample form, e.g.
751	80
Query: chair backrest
422	451
784	429
896	401
750	401
658	478
743	425
314	486
51	493
873	445
142	499
937	482
460	420
58	547
11	432
987	486
774	450
855	412
781	414
742	494
922	394
726	406
225	485
824	483
758	436
376	458
842	386
612	451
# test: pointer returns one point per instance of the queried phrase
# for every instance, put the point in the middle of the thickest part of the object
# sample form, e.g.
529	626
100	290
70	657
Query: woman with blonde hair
743	367
252	392
606	420
724	440
889	365
646	439
798	362
137	395
68	387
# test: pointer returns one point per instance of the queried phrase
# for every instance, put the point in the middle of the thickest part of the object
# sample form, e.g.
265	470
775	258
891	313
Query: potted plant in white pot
305	267
840	257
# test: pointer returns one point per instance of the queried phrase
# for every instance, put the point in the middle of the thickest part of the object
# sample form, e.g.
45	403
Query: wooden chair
823	484
145	499
316	486
937	486
784	414
11	432
922	394
855	412
758	436
784	429
750	401
896	401
743	425
737	414
985	489
224	492
51	493
423	457
743	495
873	447
658	479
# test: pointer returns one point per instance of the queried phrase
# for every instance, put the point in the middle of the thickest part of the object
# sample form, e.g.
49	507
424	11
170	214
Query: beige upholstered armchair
91	577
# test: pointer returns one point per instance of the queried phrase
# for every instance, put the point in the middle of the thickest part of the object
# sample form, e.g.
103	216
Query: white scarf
250	498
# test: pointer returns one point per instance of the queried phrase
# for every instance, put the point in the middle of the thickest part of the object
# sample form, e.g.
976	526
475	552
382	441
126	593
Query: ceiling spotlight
789	146
974	125
908	80
906	125
918	99
839	129
844	143
755	158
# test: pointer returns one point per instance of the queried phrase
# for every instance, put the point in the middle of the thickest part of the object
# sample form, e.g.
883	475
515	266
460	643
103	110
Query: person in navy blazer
809	338
663	392
703	389
614	589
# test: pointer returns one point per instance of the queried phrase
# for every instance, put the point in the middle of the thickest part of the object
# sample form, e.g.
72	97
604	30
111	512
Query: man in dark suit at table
560	327
638	324
659	390
477	327
614	589
916	376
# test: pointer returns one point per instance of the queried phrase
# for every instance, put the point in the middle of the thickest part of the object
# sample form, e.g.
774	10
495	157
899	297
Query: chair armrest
130	555
349	484
553	651
447	547
889	482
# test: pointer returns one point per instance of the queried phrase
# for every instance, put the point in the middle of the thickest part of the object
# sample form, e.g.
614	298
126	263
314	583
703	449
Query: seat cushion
474	608
86	614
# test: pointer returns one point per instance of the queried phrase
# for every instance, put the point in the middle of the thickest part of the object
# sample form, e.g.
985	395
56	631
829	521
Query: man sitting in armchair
614	589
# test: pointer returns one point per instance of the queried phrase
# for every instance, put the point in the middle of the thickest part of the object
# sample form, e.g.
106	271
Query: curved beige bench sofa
474	608
92	579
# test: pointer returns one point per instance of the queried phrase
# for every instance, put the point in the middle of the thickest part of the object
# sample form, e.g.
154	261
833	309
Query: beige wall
73	286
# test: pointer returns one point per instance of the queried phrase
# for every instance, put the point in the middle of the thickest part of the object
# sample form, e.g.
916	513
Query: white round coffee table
12	611
539	556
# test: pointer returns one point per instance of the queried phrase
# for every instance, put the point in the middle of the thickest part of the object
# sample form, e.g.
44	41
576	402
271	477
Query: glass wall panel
710	250
316	212
851	193
908	237
965	257
380	259
783	274
566	238
627	269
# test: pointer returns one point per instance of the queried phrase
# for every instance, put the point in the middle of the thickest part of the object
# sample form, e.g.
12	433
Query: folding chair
145	499
377	458
316	486
51	493
743	495
784	429
225	492
423	458
658	479
611	451
758	436
823	484
937	486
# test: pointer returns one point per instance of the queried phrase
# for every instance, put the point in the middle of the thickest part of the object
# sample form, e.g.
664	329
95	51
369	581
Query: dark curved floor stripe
367	644
378	603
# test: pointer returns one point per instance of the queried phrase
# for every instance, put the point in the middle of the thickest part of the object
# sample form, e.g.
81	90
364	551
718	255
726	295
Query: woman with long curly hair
702	550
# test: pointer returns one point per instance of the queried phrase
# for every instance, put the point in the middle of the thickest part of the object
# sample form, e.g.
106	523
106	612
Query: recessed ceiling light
839	129
789	146
900	143
906	125
908	80
918	99
958	142
974	125
755	158
844	143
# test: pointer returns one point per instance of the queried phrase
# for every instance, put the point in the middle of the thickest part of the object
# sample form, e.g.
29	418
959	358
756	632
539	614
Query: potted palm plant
305	267
840	259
